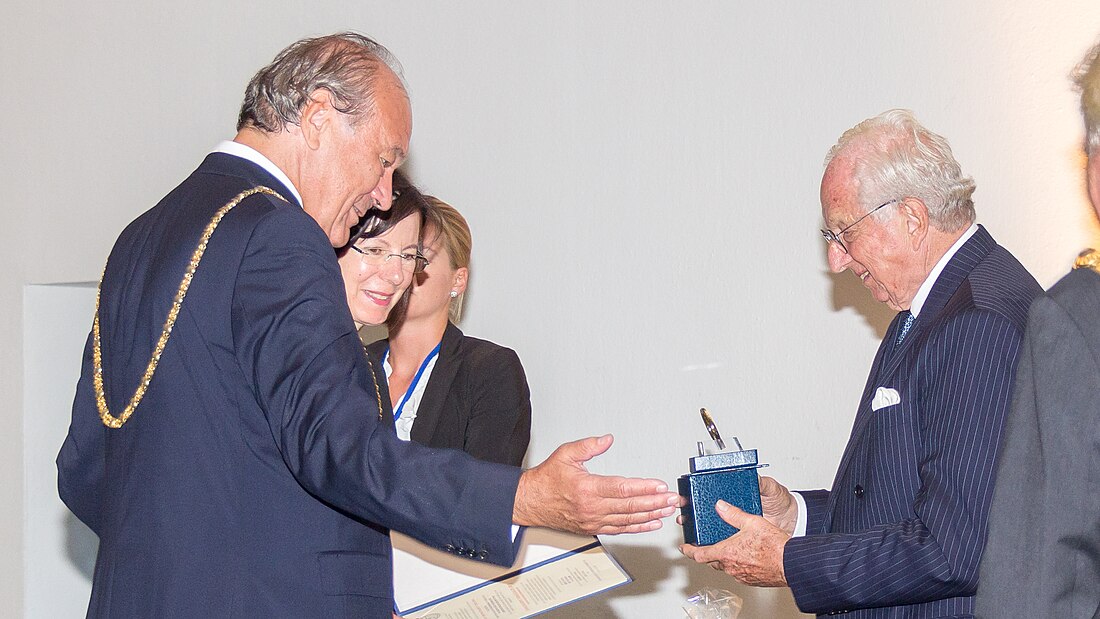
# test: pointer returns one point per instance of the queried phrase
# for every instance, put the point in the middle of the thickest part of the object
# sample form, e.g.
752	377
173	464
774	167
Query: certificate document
552	569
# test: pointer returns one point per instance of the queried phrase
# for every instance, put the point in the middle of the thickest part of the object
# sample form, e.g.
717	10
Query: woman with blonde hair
447	389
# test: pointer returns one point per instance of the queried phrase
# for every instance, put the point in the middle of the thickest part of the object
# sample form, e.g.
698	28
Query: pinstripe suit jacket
1043	556
901	533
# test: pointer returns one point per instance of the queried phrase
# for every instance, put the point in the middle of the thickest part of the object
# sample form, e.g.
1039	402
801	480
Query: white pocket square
885	397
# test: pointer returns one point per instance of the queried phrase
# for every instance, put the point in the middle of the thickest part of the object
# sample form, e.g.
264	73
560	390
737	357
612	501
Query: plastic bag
713	604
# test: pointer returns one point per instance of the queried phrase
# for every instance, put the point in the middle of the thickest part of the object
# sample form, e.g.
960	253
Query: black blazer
476	399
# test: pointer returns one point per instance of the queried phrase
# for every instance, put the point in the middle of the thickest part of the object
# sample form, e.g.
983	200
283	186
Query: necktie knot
906	323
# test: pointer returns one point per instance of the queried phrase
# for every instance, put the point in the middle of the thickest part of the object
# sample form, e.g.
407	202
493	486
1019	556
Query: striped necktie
907	322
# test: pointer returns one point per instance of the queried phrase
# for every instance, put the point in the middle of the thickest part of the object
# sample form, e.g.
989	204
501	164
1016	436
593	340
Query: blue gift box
729	476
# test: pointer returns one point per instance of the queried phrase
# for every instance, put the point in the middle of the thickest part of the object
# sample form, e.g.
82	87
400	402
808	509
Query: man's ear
915	216
316	117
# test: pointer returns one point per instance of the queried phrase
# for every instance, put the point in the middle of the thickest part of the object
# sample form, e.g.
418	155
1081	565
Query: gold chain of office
1088	259
374	377
105	415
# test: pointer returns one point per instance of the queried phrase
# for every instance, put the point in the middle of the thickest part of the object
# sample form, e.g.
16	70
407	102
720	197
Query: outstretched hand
561	494
753	555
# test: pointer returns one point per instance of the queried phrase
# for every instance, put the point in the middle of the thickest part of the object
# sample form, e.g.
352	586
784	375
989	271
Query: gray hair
1087	78
345	64
896	157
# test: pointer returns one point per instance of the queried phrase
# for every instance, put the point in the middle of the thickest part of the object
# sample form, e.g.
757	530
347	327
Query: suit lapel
889	358
430	410
947	284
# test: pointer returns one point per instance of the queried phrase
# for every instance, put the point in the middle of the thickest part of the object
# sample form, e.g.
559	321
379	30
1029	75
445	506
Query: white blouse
404	413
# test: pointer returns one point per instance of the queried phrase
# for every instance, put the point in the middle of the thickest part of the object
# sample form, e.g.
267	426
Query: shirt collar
926	287
237	149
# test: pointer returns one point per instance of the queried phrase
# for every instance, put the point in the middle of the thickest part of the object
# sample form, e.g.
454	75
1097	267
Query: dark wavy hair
407	200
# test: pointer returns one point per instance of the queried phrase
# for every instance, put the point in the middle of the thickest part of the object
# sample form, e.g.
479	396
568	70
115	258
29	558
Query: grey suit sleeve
1043	554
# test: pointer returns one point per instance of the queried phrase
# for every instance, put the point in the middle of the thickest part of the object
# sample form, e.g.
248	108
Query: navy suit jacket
255	479
901	533
476	399
1043	554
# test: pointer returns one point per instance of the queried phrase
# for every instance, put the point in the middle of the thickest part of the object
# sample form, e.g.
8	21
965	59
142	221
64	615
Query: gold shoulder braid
374	377
1088	259
110	420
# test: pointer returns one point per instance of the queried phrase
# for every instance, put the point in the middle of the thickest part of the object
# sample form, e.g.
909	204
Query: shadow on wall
651	565
80	545
849	291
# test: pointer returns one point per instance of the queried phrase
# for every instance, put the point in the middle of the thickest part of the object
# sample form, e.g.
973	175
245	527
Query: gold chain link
105	415
374	377
1088	259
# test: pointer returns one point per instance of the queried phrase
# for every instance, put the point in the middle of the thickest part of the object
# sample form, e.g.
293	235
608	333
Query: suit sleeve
816	501
294	336
81	463
965	373
500	414
1043	553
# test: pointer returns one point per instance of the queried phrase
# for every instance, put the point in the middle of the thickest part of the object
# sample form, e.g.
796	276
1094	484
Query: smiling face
349	164
373	290
878	250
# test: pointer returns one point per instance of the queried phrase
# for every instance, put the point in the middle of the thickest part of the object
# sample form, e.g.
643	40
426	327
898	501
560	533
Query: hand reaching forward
753	555
561	494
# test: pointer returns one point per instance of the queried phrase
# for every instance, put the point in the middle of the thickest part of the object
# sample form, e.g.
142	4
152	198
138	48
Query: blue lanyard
416	379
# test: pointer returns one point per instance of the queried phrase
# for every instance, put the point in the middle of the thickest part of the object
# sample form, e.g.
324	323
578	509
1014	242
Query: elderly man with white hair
900	534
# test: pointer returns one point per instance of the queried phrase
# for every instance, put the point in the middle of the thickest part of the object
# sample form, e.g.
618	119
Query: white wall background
641	179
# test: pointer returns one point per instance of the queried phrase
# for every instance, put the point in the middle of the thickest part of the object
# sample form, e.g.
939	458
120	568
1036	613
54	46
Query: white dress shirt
247	152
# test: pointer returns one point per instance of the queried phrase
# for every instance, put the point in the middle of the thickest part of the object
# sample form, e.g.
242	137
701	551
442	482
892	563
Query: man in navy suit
901	532
1043	553
225	442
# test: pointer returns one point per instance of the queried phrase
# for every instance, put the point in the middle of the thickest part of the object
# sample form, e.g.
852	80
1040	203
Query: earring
454	293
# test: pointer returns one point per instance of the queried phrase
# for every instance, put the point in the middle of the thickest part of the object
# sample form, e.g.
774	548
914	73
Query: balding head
348	65
333	114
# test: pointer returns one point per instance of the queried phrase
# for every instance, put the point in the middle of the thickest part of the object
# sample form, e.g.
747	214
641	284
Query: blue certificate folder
552	569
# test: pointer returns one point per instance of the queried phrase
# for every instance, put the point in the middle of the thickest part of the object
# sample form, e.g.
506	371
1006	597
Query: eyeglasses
377	256
835	237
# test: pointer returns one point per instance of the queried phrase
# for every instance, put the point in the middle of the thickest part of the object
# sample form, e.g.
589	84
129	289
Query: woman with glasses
447	389
461	392
379	264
